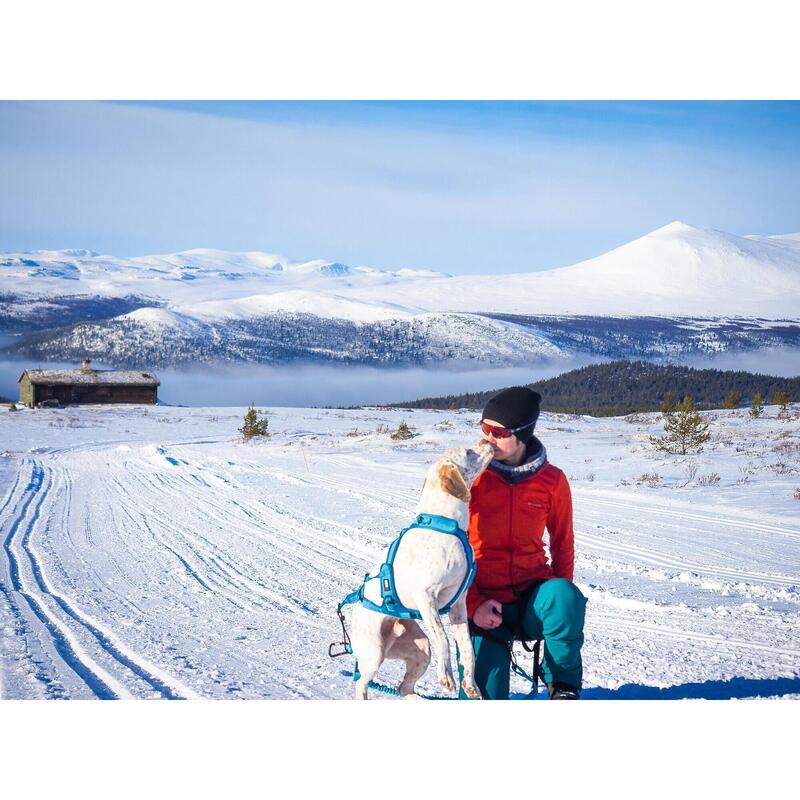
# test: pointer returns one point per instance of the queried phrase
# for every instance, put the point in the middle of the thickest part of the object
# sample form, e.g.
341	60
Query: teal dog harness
390	602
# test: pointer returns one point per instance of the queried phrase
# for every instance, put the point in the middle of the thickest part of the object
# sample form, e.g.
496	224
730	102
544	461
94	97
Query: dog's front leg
430	616
458	619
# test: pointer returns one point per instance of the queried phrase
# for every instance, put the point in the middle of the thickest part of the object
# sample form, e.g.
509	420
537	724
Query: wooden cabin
87	385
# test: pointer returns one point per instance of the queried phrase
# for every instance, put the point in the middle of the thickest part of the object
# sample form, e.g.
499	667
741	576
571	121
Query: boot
563	691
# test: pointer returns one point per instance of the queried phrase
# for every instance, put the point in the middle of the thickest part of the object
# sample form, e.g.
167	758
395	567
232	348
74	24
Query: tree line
623	387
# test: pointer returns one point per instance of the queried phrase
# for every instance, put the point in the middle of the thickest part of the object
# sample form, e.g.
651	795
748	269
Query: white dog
429	569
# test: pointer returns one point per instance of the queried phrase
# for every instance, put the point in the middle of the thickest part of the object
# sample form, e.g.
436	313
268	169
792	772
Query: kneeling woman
516	593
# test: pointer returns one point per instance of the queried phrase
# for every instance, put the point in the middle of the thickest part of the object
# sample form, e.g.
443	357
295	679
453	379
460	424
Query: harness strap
536	650
390	602
347	647
487	633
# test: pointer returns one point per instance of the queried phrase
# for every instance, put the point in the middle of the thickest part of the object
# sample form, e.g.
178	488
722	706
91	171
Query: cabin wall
26	391
77	394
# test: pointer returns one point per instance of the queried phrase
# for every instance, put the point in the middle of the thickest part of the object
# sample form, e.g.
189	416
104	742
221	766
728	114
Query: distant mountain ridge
677	290
676	270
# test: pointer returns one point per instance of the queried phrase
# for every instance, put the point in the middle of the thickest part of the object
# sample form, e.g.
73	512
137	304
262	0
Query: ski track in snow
191	565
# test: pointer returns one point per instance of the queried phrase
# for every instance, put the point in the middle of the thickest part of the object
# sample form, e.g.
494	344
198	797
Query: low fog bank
311	385
781	361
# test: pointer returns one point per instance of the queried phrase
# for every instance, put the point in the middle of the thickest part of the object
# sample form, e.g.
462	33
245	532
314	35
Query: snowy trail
62	620
744	522
175	562
60	637
642	555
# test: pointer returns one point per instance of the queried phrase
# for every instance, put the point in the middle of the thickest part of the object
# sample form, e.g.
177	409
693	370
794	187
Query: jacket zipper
510	542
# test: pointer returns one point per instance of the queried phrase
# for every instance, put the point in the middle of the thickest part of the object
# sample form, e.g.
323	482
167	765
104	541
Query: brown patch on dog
453	483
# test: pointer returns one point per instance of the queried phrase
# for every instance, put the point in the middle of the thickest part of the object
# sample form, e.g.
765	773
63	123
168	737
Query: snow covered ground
148	552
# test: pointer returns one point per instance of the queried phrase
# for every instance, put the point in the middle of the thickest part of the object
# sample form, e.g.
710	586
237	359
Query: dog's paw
472	691
447	681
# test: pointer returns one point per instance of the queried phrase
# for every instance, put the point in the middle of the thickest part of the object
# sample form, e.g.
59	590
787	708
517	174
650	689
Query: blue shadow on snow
708	690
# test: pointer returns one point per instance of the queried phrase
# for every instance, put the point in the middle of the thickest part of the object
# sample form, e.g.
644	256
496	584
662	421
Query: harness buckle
346	649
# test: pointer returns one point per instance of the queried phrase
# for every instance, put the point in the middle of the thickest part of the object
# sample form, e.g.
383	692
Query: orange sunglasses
498	431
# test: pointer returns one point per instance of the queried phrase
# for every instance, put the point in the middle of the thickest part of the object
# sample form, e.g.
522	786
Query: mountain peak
676	226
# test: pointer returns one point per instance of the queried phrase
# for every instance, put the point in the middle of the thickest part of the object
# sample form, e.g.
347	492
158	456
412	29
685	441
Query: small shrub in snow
756	406
708	480
402	432
781	399
684	430
690	470
797	494
12	407
787	447
253	426
590	477
651	479
732	400
746	472
782	468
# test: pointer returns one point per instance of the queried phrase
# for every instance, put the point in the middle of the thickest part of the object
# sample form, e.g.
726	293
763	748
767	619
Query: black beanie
514	408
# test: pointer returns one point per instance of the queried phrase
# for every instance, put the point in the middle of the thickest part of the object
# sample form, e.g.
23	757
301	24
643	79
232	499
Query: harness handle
347	647
536	649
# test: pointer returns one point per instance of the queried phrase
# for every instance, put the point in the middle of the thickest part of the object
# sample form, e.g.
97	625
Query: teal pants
553	611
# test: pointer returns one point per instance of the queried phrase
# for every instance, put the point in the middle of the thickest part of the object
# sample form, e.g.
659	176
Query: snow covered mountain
211	304
161	337
677	270
191	276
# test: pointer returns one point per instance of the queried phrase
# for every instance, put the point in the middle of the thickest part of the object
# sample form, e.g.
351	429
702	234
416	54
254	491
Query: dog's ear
453	482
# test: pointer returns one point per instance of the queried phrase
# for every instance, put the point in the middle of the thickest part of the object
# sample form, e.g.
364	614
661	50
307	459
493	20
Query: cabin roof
92	377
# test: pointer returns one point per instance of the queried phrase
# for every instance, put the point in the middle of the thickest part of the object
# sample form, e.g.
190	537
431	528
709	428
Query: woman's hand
488	615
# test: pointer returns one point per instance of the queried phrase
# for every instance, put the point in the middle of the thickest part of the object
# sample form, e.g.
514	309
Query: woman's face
508	449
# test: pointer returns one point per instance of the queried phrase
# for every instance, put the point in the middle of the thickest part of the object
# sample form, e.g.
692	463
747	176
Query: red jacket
506	523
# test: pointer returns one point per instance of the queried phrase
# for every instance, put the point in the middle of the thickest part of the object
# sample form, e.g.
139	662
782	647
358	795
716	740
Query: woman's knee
564	597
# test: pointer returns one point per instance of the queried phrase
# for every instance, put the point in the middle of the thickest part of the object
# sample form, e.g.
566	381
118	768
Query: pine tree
669	404
402	432
252	425
756	406
685	430
732	400
782	399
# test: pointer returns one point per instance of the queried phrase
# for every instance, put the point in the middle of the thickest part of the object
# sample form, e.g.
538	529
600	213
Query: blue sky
461	187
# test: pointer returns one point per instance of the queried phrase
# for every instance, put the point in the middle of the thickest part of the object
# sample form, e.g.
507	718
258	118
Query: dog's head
455	471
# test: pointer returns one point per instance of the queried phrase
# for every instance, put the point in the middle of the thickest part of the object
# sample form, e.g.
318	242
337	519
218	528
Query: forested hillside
622	387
